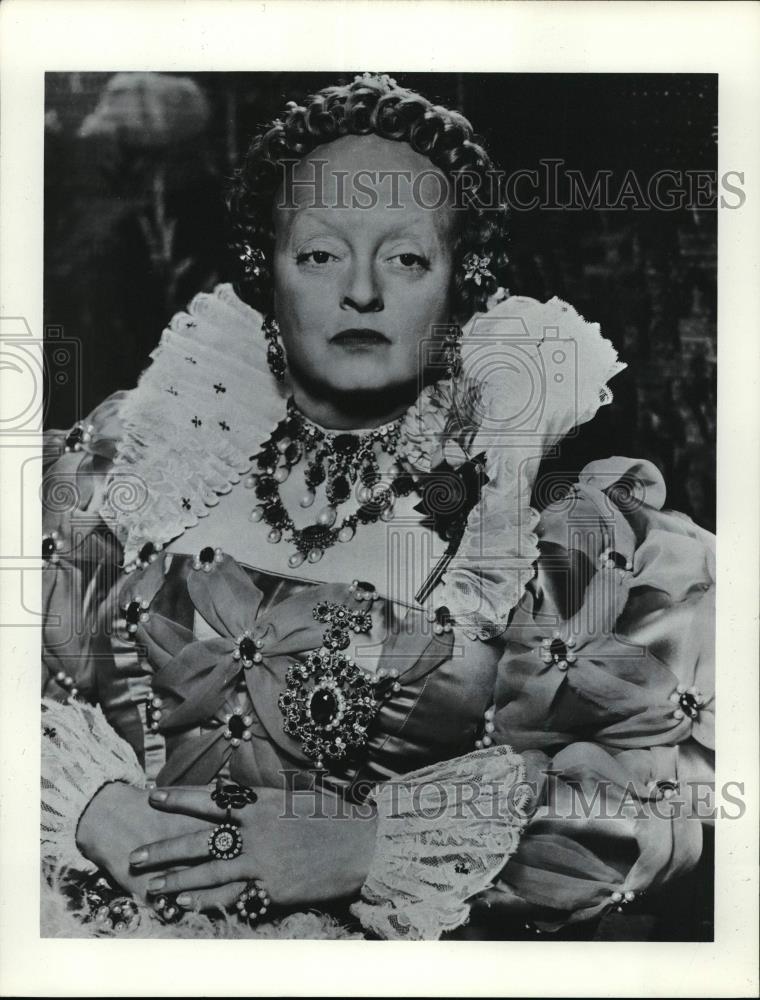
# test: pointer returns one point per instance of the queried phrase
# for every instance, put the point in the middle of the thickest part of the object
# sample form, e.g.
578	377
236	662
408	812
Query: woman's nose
362	292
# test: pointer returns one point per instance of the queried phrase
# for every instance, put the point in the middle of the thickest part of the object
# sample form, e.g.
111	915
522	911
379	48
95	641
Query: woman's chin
365	374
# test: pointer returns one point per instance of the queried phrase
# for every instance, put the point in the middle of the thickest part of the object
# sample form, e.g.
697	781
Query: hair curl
372	105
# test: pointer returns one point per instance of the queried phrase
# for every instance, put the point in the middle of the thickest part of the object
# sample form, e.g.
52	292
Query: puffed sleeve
81	557
79	553
607	686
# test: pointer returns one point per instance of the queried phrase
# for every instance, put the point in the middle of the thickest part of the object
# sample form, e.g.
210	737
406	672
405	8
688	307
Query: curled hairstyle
374	105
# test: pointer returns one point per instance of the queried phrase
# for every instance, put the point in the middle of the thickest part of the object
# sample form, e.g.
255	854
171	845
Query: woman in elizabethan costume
309	645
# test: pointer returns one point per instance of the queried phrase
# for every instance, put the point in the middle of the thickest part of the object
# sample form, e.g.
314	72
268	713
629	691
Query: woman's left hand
306	847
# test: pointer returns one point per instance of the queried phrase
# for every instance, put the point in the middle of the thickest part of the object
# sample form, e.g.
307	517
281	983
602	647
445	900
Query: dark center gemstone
341	489
618	560
337	638
345	444
266	458
132	613
315	474
293	452
206	555
316	536
236	727
558	649
247	648
146	552
689	704
74	436
253	906
323	707
48	548
363	585
265	487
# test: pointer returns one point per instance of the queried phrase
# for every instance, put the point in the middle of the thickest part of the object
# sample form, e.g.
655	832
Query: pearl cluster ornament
689	702
558	651
248	649
207	558
237	726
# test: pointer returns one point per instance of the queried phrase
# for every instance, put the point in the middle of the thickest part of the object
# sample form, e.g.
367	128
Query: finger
171	851
220	899
190	801
207	876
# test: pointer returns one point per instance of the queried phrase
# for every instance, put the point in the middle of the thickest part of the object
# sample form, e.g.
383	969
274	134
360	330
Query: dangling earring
452	351
275	353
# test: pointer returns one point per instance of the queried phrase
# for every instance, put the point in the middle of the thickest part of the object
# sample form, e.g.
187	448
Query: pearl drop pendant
315	555
307	499
327	517
296	559
274	536
346	534
281	474
257	514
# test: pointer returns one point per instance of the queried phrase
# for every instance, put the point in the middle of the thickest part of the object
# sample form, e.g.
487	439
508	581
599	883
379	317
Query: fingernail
156	884
137	857
159	796
185	899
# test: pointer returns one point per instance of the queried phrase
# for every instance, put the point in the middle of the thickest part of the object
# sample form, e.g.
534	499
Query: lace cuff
80	754
444	833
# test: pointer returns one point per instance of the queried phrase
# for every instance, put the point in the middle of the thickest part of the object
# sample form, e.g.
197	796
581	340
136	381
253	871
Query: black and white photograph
377	504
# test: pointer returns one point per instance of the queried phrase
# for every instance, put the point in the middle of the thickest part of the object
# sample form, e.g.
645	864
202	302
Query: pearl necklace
340	461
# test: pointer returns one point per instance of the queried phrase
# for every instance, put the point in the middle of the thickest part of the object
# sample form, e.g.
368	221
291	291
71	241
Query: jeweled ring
253	902
232	796
225	842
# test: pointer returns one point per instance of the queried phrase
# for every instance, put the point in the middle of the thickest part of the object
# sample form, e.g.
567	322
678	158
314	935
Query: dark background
134	227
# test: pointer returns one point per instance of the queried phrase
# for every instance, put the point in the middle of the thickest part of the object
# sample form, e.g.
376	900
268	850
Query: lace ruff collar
531	372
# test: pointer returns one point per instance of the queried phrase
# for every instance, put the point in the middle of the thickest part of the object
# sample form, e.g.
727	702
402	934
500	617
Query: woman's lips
359	339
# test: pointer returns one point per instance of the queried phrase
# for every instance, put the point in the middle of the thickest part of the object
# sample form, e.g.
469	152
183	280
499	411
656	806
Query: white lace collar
530	372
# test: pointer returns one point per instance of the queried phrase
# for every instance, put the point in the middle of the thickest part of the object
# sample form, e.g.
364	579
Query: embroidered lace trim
444	834
198	414
80	754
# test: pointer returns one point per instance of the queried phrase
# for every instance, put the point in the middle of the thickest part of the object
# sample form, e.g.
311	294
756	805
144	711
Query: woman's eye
314	257
412	260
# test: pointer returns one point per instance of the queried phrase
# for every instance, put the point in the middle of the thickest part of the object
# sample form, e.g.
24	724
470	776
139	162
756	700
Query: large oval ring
253	902
225	842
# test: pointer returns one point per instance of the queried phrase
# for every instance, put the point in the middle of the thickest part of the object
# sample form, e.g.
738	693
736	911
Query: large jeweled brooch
330	703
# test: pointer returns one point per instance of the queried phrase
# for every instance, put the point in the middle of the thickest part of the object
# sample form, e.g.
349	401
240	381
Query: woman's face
362	265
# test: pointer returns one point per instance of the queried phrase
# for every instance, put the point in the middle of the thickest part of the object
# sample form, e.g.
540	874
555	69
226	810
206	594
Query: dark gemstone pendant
74	437
689	704
265	487
247	649
132	613
558	649
315	474
236	727
206	555
146	552
48	548
293	452
340	489
323	707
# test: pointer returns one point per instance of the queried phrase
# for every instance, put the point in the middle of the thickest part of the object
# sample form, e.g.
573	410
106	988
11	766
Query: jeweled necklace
340	461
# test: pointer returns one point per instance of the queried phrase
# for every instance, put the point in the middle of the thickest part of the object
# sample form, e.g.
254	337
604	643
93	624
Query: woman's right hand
119	819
